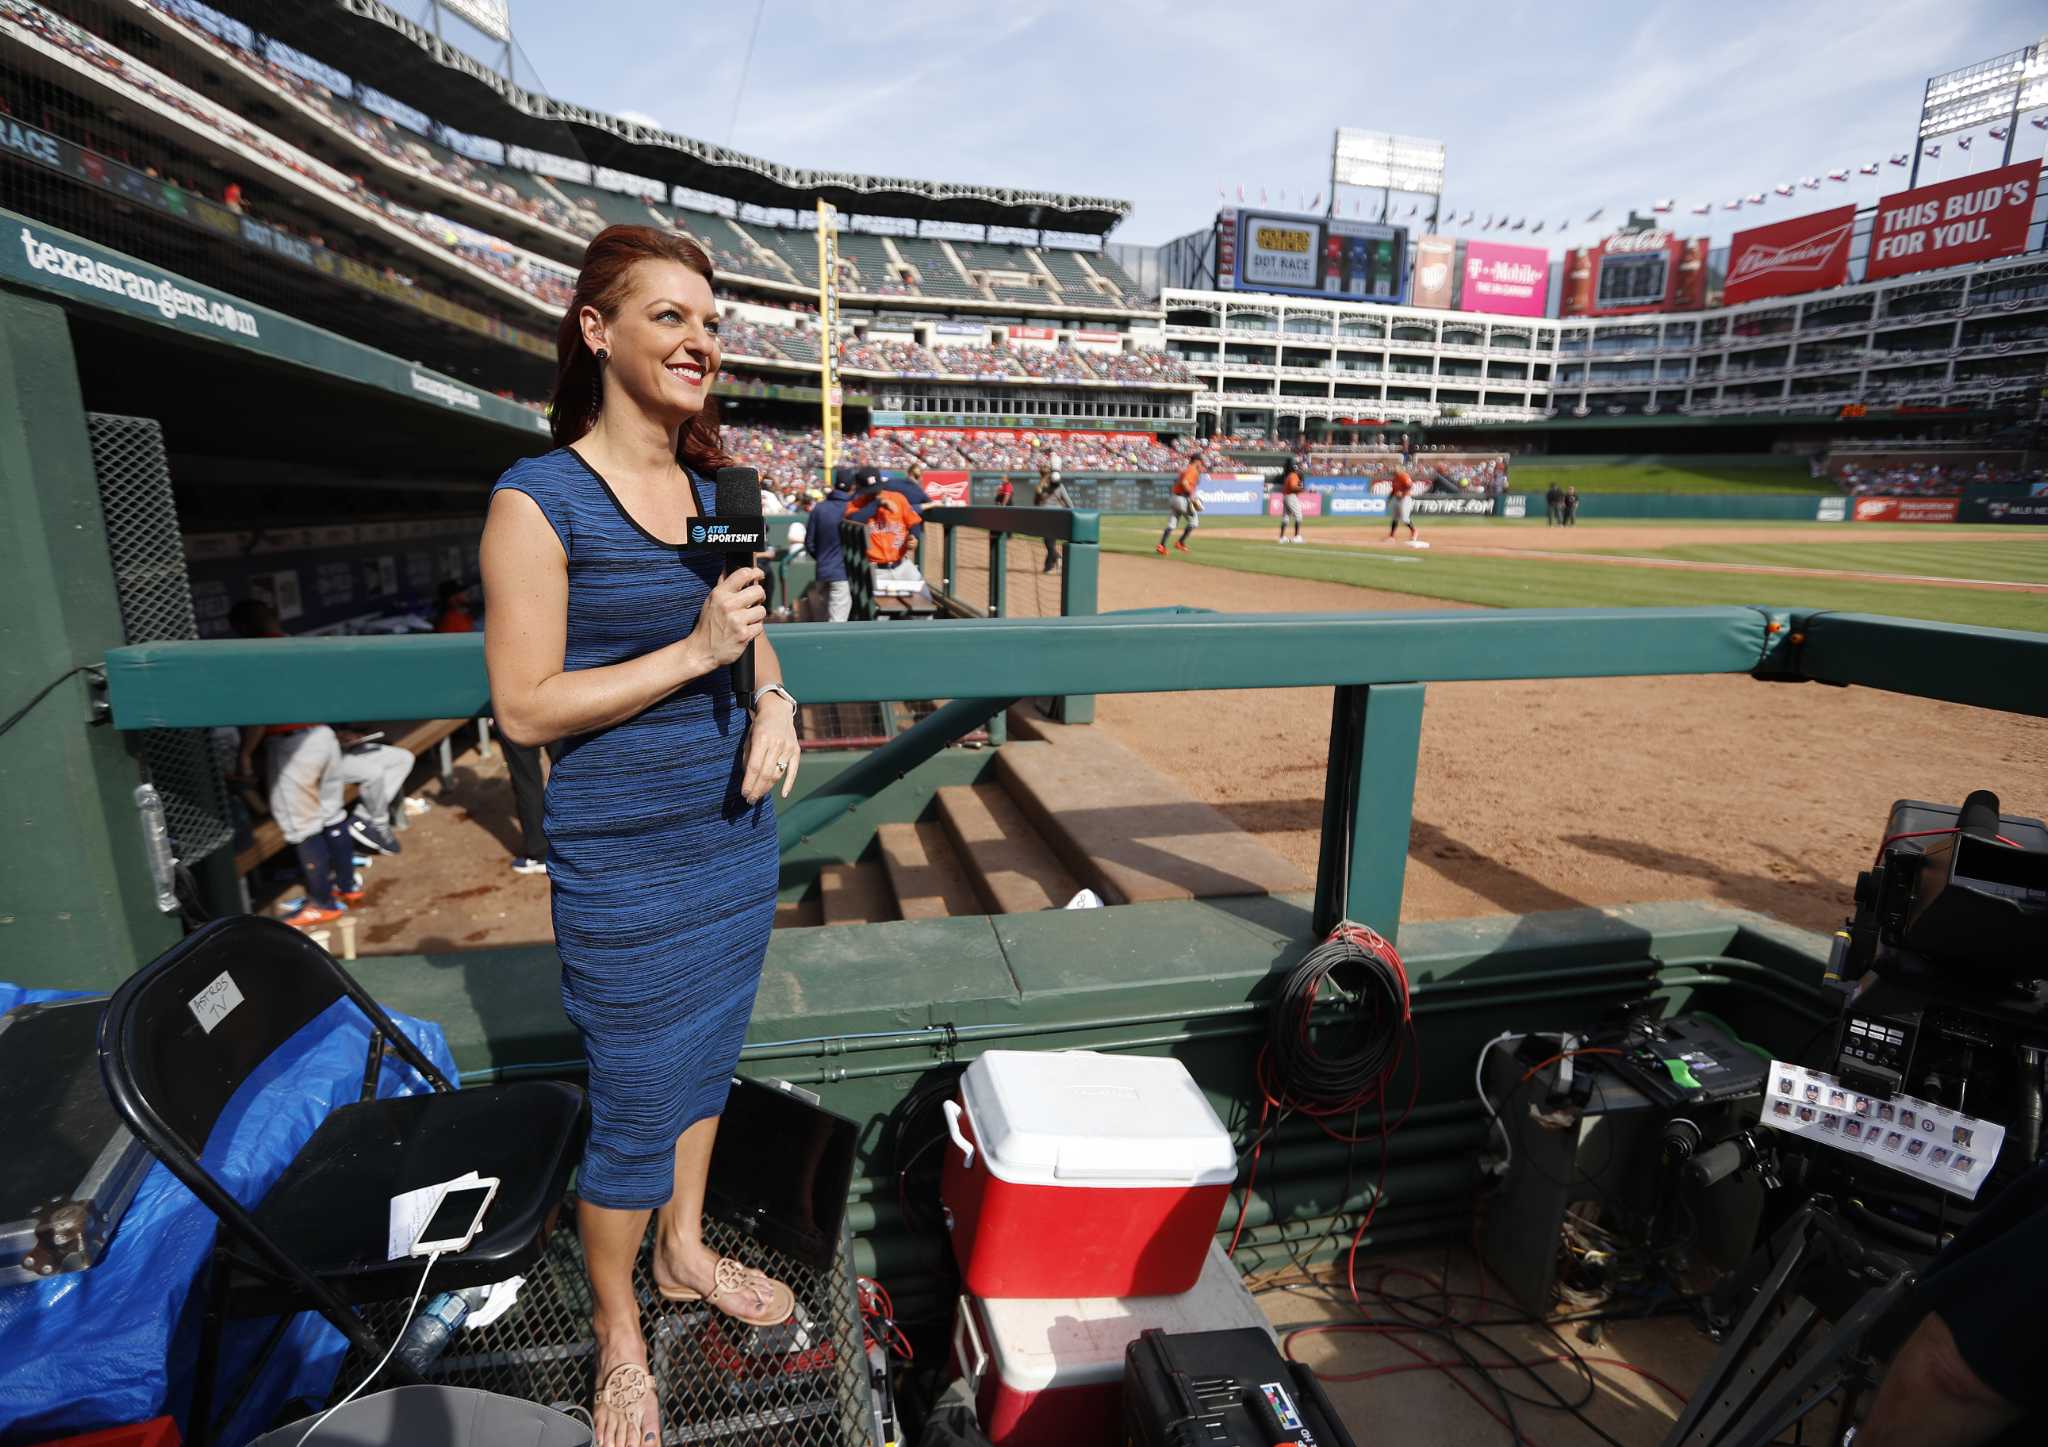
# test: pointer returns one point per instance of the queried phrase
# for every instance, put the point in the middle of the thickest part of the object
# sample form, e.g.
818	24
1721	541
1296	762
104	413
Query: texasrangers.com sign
1807	253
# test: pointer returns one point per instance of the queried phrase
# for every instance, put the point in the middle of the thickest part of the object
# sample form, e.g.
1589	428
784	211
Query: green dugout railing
1378	665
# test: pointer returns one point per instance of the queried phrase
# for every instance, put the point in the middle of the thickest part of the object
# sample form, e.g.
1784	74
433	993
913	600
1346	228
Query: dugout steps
1059	809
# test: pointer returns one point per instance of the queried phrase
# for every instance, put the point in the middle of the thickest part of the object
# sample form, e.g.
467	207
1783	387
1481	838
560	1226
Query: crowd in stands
549	284
986	363
1931	476
876	354
791	460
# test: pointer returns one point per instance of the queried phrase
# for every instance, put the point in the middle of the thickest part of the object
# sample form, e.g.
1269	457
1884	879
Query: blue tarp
117	1344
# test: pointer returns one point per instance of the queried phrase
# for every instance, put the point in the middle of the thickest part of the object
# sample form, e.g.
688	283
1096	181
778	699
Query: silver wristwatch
754	704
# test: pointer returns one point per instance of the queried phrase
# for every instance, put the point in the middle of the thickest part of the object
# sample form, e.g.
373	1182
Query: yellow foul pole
828	330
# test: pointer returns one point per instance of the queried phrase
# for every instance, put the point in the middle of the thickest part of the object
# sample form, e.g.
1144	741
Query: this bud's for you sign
1972	218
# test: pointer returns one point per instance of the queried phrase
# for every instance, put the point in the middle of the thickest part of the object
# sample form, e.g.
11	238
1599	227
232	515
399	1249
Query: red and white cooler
1073	1173
1050	1373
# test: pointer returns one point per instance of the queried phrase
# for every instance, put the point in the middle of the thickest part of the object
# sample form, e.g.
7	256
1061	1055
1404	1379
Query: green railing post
946	560
1082	570
998	590
1368	803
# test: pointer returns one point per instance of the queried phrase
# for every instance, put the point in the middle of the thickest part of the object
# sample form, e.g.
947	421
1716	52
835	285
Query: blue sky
1547	111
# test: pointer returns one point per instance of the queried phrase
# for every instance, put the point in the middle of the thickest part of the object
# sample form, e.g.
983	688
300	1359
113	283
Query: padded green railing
1376	662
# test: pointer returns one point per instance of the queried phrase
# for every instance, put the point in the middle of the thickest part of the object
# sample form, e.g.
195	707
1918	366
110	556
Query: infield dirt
1553	794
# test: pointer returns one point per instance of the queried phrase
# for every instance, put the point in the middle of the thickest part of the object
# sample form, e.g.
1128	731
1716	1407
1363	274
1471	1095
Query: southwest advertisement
1512	281
1807	253
1972	218
1313	255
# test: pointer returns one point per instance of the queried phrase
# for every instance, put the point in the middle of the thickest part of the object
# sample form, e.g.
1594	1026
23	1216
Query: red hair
602	284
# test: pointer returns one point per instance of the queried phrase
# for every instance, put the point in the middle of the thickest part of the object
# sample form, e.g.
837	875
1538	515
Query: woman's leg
680	1256
611	1244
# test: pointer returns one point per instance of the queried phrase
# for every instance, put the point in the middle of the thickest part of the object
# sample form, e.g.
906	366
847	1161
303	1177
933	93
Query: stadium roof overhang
372	41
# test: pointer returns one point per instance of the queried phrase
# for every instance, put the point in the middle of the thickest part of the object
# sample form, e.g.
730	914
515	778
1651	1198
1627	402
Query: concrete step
856	893
924	871
1127	831
1012	869
801	913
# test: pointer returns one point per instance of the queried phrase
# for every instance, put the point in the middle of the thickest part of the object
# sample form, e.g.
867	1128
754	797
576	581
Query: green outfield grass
1591	477
2008	559
1507	582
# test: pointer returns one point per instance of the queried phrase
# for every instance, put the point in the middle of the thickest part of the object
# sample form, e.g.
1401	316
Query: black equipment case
1223	1389
72	1167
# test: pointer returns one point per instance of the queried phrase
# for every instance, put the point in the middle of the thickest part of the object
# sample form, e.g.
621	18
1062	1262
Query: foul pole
828	331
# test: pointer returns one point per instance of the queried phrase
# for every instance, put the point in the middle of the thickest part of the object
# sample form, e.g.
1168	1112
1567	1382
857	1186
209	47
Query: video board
1324	256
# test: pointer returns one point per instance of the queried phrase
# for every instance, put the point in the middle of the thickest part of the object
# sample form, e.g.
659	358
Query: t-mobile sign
1972	218
1509	280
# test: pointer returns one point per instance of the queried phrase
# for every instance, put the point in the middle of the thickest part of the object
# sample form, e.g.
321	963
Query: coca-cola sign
1972	218
1807	253
1633	272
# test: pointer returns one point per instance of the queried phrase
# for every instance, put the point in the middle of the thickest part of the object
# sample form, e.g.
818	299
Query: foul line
1627	560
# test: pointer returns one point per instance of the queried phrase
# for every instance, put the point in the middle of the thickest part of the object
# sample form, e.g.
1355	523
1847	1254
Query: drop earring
597	382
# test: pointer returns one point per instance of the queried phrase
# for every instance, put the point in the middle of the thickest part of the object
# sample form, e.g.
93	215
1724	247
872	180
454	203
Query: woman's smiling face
663	339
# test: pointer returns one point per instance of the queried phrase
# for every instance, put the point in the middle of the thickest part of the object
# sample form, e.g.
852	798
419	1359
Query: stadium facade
441	218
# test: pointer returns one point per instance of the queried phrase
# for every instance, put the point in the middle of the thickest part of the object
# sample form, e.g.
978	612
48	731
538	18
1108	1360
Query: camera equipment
1942	968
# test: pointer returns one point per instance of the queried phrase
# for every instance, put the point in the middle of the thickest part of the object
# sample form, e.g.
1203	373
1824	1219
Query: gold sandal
622	1389
734	1281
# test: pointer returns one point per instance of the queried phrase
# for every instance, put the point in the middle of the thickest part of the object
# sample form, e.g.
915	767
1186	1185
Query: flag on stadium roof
1843	174
1811	183
1703	208
1240	195
1468	219
1735	205
1667	204
1998	133
1933	152
1317	202
1757	199
1520	222
1536	228
1869	170
1597	211
1963	143
1262	195
2039	123
1900	159
1784	190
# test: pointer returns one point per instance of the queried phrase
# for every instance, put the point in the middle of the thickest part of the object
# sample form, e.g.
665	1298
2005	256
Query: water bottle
429	1333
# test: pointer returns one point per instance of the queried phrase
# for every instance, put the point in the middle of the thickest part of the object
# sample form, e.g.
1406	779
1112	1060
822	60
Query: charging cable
417	1294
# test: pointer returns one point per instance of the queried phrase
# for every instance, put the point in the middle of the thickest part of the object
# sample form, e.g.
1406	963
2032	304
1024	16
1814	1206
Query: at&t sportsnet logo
746	533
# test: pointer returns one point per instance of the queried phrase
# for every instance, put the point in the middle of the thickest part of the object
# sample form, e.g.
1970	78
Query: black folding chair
189	1028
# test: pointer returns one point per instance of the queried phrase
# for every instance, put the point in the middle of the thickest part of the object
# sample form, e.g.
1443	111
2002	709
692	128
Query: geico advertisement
1280	253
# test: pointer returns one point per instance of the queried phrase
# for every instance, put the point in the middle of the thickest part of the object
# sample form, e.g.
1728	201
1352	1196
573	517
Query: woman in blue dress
611	643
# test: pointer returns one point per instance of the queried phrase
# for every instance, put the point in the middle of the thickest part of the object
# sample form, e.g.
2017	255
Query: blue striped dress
664	878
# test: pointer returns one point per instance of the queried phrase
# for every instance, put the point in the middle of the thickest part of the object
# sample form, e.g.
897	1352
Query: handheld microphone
736	529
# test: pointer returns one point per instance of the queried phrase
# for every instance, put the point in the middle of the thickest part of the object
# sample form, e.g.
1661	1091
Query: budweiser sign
1807	253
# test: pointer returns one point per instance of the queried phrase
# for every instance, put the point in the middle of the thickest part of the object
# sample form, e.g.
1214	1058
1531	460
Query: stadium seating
791	459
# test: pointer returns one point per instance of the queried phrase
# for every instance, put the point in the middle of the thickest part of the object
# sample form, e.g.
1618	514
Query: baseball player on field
1401	506
1186	504
1290	500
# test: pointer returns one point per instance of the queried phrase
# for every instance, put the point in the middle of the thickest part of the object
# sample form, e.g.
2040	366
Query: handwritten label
212	1004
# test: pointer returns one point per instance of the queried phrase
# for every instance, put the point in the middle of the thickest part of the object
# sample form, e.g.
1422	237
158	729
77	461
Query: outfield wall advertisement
1906	509
1972	218
1633	272
1234	494
1807	253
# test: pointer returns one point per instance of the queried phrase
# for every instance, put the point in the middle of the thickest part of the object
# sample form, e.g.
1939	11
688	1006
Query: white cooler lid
1081	1118
1034	1345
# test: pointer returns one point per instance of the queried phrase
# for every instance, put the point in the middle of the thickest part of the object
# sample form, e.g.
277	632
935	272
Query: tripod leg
1728	1373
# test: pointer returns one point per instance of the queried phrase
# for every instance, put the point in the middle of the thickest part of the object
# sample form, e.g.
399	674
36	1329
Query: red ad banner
1632	272
947	489
1972	218
1807	253
1906	509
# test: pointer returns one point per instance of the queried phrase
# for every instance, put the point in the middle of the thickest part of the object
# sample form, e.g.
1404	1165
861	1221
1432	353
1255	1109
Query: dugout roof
371	41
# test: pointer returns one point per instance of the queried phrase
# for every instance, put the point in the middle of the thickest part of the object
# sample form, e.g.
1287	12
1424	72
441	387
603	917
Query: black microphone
735	528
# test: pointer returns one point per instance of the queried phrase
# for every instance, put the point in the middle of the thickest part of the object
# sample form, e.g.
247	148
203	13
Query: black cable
1329	1082
42	693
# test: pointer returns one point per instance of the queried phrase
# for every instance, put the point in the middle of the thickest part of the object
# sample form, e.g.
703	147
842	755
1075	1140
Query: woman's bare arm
526	581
